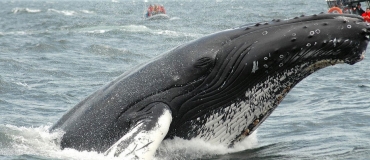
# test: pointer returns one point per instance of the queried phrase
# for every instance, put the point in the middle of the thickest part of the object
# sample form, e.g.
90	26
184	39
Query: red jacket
366	16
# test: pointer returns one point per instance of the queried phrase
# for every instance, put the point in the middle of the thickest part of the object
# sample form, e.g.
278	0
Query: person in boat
366	15
359	10
150	11
347	10
354	10
161	9
156	10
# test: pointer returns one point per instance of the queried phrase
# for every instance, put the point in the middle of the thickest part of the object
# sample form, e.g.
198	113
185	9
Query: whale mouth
358	53
358	41
366	33
356	58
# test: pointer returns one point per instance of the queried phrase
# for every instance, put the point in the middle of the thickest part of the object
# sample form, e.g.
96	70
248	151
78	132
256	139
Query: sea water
55	53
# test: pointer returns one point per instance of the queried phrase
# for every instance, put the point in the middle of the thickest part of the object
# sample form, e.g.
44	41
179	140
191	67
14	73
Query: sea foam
39	141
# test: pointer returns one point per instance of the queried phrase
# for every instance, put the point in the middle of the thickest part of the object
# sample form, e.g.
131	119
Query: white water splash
25	10
39	141
178	148
65	12
136	29
87	11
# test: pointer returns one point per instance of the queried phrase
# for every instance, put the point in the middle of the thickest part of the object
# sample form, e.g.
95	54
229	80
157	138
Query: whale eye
203	62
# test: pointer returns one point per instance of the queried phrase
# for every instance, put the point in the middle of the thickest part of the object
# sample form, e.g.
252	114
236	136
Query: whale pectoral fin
143	139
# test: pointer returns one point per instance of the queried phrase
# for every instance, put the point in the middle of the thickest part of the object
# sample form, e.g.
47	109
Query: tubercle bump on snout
358	31
366	31
320	16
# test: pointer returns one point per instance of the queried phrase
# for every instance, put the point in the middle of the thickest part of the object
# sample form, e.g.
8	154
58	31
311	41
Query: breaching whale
218	88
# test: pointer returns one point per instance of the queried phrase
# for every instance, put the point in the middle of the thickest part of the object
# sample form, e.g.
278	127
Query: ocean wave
105	29
136	29
174	18
178	148
176	33
87	11
18	141
143	28
17	33
64	12
106	50
19	10
25	140
42	47
25	10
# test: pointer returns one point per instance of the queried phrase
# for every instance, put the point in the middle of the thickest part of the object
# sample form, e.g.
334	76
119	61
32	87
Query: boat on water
158	16
156	12
347	6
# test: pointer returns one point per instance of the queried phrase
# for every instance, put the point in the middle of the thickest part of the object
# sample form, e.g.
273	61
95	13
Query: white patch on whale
255	66
145	143
227	125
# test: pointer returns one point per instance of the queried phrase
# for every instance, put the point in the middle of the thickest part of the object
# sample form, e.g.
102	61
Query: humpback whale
218	88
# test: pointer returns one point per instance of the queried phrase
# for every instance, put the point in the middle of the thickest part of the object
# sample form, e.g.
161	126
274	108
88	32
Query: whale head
318	38
250	69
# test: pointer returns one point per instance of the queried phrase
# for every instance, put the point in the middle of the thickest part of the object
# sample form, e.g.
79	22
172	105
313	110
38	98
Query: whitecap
65	12
25	10
33	10
174	18
87	11
97	31
178	148
24	84
19	33
39	141
175	33
135	28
